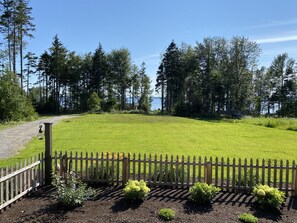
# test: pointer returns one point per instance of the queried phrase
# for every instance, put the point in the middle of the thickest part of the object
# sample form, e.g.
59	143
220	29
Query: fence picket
281	175
222	172
162	170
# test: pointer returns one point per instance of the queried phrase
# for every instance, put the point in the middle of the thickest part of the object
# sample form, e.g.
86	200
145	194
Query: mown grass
166	135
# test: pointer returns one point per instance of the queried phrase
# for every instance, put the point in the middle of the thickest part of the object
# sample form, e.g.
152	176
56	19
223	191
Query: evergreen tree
30	68
99	72
58	58
144	103
120	65
24	28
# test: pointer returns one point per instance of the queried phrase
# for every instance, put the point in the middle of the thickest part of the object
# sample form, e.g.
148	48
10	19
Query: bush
172	174
14	105
136	190
268	197
70	191
167	214
104	172
248	218
250	180
202	193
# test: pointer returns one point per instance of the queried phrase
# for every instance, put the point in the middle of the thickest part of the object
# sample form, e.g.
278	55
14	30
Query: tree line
66	80
214	77
219	76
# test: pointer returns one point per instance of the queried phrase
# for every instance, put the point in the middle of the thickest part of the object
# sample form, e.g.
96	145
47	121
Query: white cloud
277	39
274	24
148	58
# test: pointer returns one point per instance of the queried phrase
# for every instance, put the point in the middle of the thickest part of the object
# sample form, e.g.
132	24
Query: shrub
103	172
248	218
171	174
136	190
250	180
167	214
70	191
268	197
202	193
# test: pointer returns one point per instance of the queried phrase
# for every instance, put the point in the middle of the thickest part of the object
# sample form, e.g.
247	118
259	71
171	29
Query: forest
216	76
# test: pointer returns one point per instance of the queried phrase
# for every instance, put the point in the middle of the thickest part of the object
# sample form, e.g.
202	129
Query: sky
146	28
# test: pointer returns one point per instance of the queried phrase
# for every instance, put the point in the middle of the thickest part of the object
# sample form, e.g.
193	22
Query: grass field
280	123
167	135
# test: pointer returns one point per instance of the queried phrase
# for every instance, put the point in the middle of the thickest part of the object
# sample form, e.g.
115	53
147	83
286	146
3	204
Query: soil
110	206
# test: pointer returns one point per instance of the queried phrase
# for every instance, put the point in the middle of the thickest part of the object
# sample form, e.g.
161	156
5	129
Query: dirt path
15	138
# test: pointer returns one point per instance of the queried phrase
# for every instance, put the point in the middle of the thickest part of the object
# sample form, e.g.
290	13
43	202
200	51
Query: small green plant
71	192
248	218
202	193
249	180
169	173
104	173
136	190
167	214
268	197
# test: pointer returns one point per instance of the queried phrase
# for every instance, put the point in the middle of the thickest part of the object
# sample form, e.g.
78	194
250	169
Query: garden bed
110	206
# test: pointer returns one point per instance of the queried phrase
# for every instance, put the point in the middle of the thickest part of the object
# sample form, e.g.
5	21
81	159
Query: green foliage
167	214
280	123
13	104
169	173
70	191
94	103
248	218
268	197
106	172
202	193
136	190
249	180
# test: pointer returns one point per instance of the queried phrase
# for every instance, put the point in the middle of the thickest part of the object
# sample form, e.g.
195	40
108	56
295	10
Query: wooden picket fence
176	171
21	179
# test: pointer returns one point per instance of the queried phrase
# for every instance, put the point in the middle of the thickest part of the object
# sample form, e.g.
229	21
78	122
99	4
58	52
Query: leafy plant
248	218
169	173
136	190
268	197
249	180
71	192
167	214
202	193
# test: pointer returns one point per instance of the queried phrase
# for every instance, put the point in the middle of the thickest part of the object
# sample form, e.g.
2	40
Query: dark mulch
110	206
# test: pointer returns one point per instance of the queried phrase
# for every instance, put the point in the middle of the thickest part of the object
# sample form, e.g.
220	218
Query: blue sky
147	27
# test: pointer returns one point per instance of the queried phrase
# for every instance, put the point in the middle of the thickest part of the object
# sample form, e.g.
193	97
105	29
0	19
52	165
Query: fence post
48	153
125	171
208	173
295	182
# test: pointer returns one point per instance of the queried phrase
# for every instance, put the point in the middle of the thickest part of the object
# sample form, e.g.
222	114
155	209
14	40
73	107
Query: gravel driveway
15	138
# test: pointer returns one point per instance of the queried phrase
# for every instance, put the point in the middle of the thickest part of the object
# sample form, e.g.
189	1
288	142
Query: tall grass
280	123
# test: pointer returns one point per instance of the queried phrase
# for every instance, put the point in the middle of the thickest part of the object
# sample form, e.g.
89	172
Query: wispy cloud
148	57
277	39
274	24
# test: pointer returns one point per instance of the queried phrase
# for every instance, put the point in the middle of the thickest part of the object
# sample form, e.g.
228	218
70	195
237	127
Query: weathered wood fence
20	180
176	171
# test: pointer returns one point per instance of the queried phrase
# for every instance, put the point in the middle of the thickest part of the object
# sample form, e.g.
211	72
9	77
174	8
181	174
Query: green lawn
167	135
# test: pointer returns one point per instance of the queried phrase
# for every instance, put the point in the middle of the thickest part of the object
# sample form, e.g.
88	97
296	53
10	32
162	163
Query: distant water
156	103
